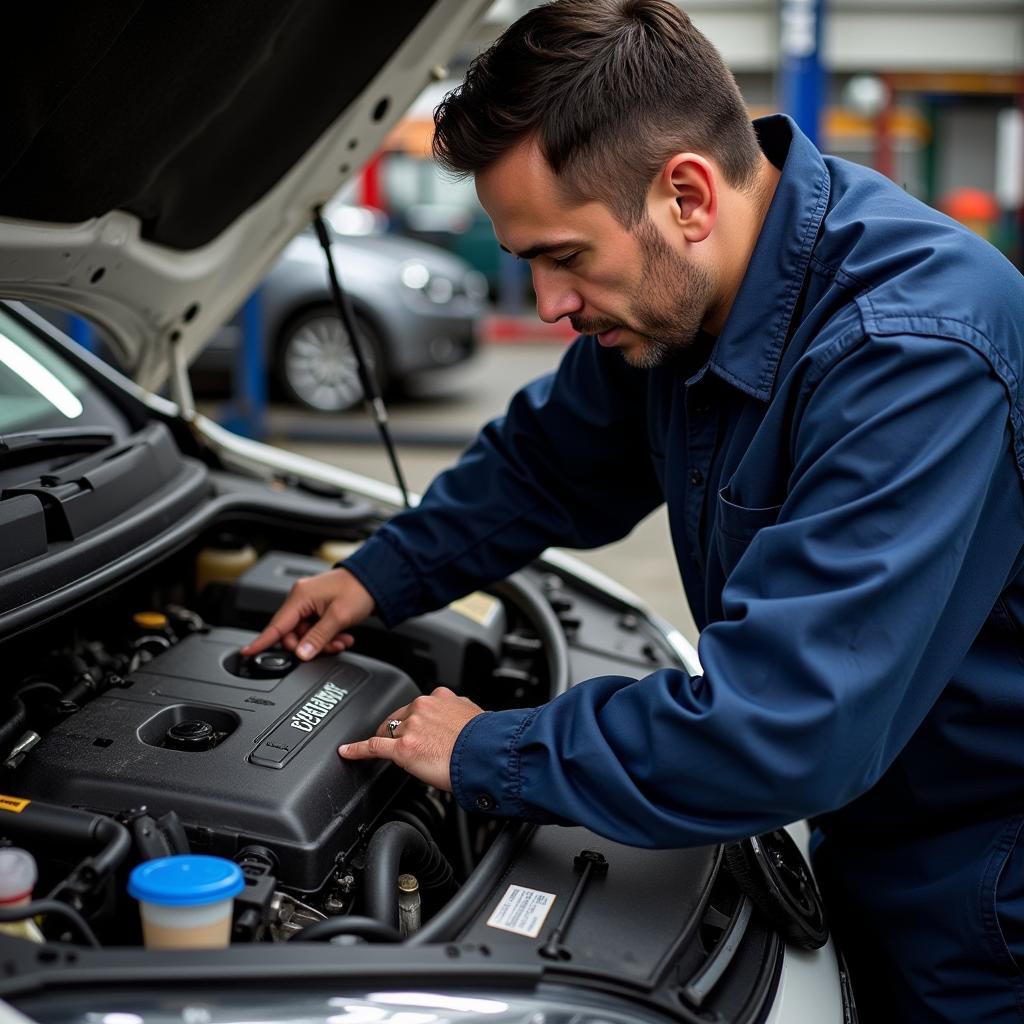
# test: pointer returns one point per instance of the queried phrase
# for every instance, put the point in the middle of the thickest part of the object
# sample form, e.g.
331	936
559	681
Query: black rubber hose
74	826
54	907
36	687
368	928
395	847
402	814
13	725
446	923
86	687
116	844
171	826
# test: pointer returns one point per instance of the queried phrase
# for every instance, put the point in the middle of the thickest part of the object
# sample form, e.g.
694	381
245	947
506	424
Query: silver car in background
417	308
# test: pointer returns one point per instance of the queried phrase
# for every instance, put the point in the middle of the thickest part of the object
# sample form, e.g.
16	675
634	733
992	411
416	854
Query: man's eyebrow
541	248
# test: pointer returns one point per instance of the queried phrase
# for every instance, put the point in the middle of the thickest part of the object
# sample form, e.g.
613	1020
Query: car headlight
437	287
415	275
475	285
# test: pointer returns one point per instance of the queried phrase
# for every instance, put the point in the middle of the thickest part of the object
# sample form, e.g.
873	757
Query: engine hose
446	923
396	846
54	908
13	725
68	824
368	928
116	844
36	687
410	818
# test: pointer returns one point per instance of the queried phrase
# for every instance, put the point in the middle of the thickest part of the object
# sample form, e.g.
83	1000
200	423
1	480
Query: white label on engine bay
481	608
522	911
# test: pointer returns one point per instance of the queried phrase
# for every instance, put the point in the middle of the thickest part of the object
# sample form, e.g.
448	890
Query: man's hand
424	741
314	615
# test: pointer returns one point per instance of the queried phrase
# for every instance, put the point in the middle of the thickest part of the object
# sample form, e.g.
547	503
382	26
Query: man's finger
319	635
399	714
375	747
283	622
340	643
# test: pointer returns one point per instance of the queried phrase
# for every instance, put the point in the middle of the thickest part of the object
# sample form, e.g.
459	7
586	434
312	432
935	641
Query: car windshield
39	390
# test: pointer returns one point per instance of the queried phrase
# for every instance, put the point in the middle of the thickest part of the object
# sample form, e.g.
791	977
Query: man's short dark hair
610	89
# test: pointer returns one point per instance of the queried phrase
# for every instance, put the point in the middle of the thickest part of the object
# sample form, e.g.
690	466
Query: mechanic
822	378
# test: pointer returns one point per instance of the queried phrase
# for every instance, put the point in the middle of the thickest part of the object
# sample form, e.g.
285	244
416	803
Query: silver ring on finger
393	725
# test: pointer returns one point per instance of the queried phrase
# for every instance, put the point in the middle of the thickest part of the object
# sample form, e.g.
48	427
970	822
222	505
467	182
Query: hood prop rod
371	393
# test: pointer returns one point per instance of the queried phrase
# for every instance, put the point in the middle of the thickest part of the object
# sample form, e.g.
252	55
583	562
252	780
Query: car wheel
317	366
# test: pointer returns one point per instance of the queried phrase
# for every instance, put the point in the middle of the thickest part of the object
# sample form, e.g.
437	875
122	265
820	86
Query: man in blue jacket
822	378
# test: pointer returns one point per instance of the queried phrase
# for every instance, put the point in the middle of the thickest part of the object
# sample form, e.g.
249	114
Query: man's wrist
484	765
388	576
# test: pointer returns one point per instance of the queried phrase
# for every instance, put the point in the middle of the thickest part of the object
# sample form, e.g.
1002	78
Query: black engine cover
243	752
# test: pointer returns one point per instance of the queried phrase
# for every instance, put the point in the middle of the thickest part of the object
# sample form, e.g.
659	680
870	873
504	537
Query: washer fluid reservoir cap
186	880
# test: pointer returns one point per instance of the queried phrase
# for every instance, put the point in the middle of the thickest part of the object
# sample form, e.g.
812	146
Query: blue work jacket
843	473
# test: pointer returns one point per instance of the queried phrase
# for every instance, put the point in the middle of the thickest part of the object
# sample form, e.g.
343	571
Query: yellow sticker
13	803
480	607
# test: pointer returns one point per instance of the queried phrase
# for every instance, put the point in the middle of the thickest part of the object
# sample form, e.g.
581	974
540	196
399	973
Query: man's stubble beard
670	327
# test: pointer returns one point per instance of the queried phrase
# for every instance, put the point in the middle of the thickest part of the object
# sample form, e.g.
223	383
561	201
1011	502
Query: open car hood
155	161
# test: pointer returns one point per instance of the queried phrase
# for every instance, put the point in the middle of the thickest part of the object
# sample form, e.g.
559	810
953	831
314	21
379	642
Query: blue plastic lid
186	880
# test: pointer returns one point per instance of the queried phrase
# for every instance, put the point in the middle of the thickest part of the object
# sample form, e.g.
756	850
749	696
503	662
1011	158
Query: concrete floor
433	424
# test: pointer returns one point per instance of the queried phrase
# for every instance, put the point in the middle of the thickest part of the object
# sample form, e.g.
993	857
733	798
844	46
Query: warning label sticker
480	607
522	911
13	803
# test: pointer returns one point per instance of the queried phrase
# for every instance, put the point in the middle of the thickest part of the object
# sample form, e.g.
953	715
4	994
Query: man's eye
565	261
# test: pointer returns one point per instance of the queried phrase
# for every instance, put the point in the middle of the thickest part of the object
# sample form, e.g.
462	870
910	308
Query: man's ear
688	181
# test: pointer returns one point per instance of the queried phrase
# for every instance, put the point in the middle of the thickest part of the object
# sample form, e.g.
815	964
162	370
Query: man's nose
555	298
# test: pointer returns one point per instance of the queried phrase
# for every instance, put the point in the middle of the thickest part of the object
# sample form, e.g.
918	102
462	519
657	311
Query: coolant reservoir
334	551
18	876
224	562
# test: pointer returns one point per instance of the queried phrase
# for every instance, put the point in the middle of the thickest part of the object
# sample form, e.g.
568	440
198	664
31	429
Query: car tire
316	364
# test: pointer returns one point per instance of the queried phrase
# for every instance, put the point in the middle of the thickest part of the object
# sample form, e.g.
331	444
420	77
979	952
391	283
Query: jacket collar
750	346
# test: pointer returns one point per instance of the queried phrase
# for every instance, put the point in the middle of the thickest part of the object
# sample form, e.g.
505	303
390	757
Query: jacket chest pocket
736	526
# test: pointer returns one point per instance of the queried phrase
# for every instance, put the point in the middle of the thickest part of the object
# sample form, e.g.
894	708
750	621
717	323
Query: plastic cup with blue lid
186	900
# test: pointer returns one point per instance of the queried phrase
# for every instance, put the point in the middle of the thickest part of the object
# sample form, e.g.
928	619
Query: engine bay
132	730
140	714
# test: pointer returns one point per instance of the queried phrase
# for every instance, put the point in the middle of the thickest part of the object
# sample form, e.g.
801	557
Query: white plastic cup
186	901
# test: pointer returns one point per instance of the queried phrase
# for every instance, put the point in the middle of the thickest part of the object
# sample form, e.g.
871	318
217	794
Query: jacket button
484	802
696	477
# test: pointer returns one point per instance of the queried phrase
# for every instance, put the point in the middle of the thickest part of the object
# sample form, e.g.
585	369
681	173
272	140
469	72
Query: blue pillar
512	276
802	75
247	414
83	332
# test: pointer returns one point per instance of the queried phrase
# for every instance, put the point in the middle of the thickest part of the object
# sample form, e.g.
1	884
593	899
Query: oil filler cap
273	663
265	665
192	734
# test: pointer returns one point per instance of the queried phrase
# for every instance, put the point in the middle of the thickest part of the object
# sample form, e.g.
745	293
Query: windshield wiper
41	443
